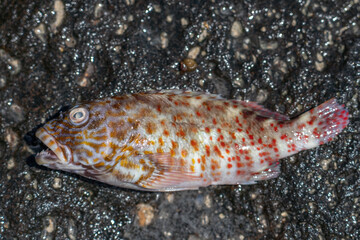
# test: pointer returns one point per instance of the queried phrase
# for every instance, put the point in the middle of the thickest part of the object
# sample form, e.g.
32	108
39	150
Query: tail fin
321	124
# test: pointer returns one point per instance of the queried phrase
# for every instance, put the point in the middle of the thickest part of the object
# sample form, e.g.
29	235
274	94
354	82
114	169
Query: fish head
76	141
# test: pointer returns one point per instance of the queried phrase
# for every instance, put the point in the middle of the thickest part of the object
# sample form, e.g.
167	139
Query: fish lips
57	153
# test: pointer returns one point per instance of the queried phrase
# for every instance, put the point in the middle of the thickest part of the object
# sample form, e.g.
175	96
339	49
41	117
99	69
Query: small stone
194	52
11	163
188	65
169	18
236	29
70	42
2	82
84	80
157	8
170	197
49	225
99	10
16	113
122	28
184	22
164	40
272	45
59	9
325	164
221	216
145	214
204	219
71	232
207	201
320	66
284	214
57	183
261	96
40	32
129	2
11	138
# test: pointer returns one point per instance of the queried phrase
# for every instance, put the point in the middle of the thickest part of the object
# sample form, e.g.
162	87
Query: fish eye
79	115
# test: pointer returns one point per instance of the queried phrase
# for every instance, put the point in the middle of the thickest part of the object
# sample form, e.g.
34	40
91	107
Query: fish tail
320	125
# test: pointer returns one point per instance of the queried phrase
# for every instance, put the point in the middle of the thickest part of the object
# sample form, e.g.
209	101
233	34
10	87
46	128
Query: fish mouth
56	152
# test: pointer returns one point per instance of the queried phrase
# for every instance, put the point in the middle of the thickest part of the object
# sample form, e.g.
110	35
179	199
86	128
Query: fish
181	140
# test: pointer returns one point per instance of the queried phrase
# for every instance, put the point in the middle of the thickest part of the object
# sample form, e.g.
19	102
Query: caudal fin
323	123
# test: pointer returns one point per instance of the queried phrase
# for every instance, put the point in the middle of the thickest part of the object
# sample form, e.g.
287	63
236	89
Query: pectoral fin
170	174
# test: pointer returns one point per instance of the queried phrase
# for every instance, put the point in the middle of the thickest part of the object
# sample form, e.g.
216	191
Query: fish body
175	140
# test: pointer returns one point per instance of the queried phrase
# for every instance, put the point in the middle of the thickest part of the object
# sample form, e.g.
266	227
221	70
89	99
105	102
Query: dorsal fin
261	111
252	106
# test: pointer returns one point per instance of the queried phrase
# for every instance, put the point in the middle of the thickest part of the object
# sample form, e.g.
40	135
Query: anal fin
272	172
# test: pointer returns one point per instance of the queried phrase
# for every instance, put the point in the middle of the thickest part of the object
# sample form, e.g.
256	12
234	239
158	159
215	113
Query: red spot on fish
214	121
194	144
181	133
207	149
260	141
159	108
283	136
217	151
229	165
166	132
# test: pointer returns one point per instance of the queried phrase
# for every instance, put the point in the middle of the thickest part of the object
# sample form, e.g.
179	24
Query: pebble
188	65
272	45
169	18
59	10
194	52
145	214
170	197
71	231
15	65
11	163
2	82
204	219
236	29
122	28
184	22
129	2
11	138
99	10
57	183
70	42
164	40
261	96
319	63
16	113
84	80
40	32
207	201
48	231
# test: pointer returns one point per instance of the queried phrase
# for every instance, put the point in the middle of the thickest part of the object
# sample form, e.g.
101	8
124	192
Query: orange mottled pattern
176	140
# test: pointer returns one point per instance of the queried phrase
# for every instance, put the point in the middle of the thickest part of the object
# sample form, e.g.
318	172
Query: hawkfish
179	140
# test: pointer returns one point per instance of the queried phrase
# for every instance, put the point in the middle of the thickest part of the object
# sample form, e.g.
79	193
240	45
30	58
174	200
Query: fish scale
176	140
